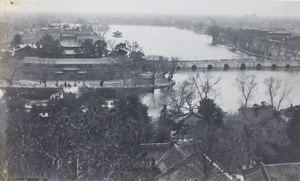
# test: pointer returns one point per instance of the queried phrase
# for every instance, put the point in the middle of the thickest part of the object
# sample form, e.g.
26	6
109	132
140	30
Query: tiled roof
166	155
274	172
283	171
171	158
185	116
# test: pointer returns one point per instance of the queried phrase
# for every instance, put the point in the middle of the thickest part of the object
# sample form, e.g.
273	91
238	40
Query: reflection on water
228	95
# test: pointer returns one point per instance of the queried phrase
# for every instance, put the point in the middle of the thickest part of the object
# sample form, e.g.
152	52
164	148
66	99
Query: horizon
260	8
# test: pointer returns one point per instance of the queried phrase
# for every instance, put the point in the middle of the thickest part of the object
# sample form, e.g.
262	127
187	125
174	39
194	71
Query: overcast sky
203	7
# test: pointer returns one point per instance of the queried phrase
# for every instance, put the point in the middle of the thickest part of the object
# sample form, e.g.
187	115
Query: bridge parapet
236	64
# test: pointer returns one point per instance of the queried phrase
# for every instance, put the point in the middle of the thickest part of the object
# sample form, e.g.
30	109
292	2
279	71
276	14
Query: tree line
256	42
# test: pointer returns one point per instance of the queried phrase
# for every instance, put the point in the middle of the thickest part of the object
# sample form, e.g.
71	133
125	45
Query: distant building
279	35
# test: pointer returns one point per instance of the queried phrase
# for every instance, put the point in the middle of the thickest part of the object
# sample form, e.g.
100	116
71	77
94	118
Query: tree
278	46
169	67
80	145
50	48
262	132
153	66
214	31
24	52
9	67
164	126
16	41
212	145
102	29
273	88
111	45
100	48
293	133
246	85
120	49
43	70
3	157
210	112
122	68
88	48
205	83
293	46
181	99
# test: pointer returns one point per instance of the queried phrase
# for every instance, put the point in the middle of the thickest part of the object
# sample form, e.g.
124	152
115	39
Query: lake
229	96
169	41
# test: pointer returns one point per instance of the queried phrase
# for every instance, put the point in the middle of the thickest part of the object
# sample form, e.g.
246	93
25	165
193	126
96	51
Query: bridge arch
274	66
243	66
258	66
210	67
288	66
226	66
194	67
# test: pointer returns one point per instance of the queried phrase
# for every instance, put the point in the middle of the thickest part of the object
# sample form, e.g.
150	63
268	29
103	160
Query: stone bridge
236	64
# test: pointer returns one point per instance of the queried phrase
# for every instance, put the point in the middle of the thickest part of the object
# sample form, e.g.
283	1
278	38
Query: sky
202	7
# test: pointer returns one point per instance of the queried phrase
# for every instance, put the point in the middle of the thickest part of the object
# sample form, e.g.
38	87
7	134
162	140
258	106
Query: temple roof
283	171
185	117
171	159
273	172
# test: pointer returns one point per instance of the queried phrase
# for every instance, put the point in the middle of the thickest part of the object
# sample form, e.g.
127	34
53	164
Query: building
174	162
182	124
273	172
70	44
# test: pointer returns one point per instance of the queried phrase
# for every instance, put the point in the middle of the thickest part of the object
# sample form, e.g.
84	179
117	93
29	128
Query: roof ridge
274	164
265	171
155	144
165	154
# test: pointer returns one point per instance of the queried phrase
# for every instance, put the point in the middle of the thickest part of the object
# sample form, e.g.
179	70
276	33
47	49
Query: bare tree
153	66
122	68
293	46
181	98
102	29
9	67
205	83
283	95
3	157
169	67
278	47
246	85
275	88
111	45
43	69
